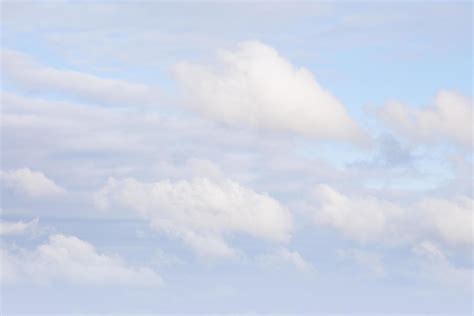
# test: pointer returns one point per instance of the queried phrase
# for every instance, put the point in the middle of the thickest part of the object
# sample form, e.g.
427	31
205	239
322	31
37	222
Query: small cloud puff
32	183
17	228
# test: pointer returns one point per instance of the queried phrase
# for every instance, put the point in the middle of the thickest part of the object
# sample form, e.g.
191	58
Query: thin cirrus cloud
436	266
255	86
280	258
371	261
29	182
448	119
25	71
201	211
367	218
68	259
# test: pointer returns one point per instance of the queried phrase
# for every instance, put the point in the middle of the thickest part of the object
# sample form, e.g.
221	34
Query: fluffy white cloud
449	118
17	228
71	260
284	257
255	86
33	183
368	218
34	76
201	211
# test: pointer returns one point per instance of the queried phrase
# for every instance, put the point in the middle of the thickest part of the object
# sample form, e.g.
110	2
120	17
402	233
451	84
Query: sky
236	158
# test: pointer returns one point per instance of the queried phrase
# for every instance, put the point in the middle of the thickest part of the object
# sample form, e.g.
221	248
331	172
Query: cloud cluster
71	260
32	183
448	119
201	211
257	87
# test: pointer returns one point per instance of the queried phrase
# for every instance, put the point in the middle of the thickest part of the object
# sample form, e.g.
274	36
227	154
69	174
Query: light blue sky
236	158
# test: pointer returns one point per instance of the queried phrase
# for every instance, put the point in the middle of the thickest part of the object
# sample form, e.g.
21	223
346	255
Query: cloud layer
23	70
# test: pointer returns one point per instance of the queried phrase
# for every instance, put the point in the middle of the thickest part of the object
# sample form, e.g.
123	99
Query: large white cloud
33	183
201	211
448	119
366	218
23	70
256	86
71	260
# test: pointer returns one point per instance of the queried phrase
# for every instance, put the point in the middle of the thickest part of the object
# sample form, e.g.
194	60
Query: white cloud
449	118
33	183
284	257
255	86
436	266
71	260
17	228
34	76
367	218
201	211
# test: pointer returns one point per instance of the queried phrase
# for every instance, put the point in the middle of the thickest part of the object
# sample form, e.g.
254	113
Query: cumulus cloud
71	260
366	218
25	71
284	257
448	119
201	211
32	183
17	228
255	86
